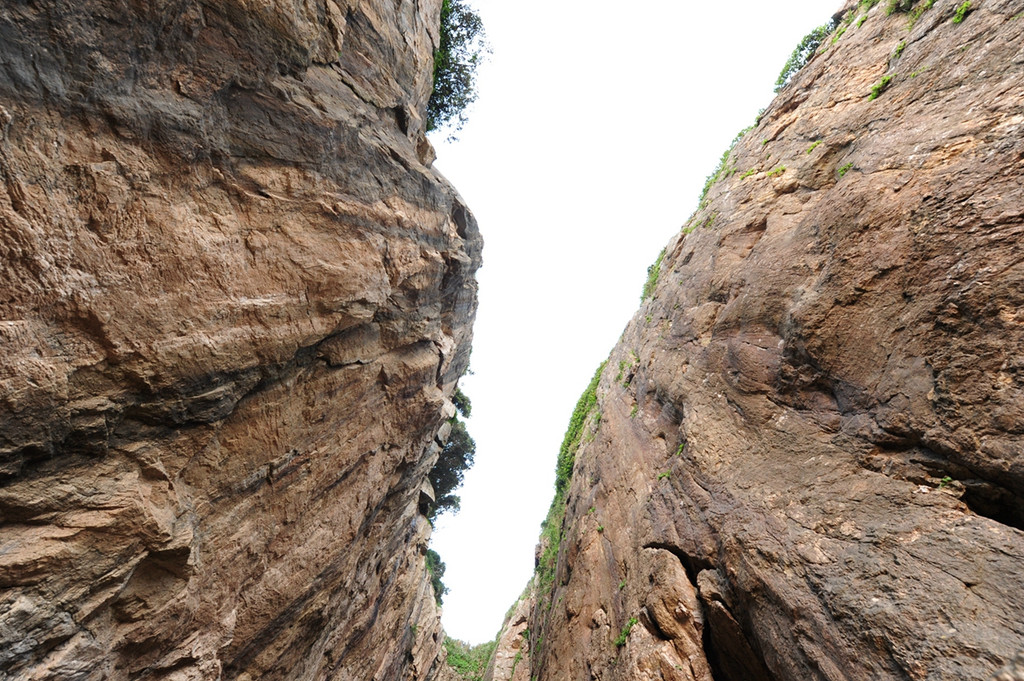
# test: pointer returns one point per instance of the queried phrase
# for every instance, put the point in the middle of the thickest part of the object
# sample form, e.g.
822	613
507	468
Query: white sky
595	127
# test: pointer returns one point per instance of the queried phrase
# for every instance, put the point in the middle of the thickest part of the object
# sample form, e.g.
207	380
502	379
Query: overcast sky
595	128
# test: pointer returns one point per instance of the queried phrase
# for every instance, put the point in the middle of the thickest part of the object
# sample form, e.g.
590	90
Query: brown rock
235	302
819	442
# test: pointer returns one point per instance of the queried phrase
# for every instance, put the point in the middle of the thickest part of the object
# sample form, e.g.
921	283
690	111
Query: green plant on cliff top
803	52
462	46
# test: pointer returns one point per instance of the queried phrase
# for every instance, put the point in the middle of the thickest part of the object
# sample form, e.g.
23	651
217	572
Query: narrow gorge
237	299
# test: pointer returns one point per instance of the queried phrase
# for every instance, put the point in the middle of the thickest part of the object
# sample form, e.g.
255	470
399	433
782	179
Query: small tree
455	62
447	474
803	52
436	568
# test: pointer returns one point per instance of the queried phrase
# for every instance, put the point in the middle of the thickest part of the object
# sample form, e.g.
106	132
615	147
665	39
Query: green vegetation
917	73
880	87
803	52
622	585
722	170
469	662
551	528
621	640
961	12
447	474
574	435
461	48
813	146
682	446
916	13
653	272
845	169
778	170
600	528
666	474
898	51
860	22
632	413
515	662
627	366
838	35
898	6
462	403
435	568
748	173
945	481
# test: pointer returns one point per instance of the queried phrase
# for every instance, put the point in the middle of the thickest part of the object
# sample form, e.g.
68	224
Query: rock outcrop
235	302
805	460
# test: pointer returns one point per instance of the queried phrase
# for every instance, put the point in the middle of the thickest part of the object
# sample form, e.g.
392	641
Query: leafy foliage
961	12
436	568
574	434
803	52
469	662
624	635
455	61
462	403
879	87
447	474
653	272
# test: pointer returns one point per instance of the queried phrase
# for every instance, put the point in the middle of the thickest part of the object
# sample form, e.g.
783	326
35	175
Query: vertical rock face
805	461
235	300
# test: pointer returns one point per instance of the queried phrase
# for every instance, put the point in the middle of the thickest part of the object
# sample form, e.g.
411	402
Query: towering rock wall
234	301
805	460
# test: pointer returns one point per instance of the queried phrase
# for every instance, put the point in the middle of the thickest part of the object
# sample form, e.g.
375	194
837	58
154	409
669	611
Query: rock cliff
804	459
235	300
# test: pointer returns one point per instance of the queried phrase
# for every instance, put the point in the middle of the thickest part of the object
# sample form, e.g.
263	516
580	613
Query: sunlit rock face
234	302
809	460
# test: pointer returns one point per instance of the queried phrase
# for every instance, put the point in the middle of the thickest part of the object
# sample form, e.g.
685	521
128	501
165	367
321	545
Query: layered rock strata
235	300
805	460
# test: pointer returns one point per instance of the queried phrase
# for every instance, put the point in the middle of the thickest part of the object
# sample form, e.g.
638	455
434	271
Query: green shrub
845	169
653	272
621	640
803	52
880	87
436	568
462	403
813	146
918	11
469	662
456	59
961	12
898	51
778	170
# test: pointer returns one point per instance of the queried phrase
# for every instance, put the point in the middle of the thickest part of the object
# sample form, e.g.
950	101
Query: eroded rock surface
235	301
808	462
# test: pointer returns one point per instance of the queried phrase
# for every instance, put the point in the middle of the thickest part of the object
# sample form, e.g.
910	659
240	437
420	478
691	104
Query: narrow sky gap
586	151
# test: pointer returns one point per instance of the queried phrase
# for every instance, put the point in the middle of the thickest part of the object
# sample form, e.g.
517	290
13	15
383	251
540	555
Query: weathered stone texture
813	468
235	300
